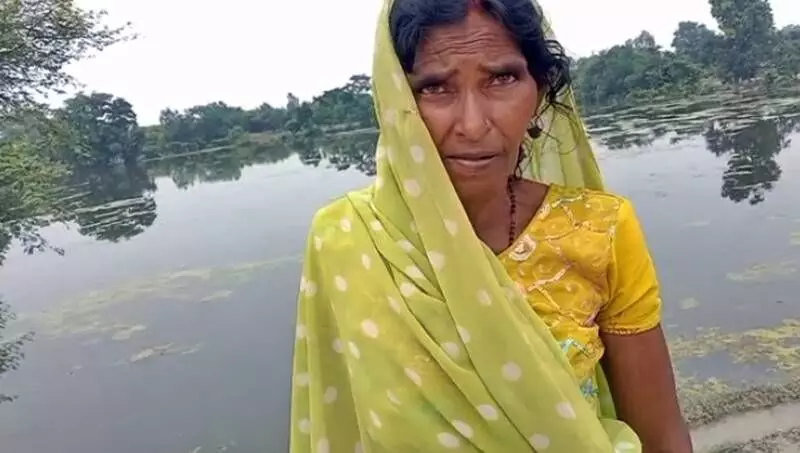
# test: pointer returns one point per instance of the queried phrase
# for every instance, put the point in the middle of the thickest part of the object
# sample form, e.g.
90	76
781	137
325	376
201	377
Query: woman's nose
473	122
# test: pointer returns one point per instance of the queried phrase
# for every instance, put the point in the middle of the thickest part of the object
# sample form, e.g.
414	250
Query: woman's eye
432	89
504	79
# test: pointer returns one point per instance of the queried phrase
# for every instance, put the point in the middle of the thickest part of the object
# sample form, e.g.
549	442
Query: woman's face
477	98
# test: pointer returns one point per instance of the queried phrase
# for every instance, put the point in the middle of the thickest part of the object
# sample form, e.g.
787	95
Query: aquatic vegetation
689	303
720	401
761	273
93	313
160	351
771	349
127	333
217	296
776	347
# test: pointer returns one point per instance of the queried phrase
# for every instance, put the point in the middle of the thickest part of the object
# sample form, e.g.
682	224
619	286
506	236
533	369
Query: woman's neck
490	216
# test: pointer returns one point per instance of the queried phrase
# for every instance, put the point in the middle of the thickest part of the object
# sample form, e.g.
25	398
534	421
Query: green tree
696	43
105	130
637	69
38	39
292	101
265	118
645	41
29	194
748	30
349	106
201	126
787	51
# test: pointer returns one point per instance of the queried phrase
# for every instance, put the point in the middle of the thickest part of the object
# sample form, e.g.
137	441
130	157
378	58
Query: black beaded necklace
512	211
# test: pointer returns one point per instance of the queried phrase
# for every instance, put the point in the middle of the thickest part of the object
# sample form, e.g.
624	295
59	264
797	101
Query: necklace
512	211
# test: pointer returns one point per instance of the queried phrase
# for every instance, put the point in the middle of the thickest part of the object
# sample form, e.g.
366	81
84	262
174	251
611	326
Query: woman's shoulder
585	206
334	223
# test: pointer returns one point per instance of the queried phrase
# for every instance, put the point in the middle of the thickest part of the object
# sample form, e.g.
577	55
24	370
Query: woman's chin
476	187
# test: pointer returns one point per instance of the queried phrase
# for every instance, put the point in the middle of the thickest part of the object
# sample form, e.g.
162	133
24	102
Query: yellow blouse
584	266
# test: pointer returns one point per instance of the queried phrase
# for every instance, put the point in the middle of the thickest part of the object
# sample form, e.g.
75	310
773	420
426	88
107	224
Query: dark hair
547	61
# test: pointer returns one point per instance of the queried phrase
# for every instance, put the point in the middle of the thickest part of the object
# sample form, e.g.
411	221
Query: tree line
100	128
748	51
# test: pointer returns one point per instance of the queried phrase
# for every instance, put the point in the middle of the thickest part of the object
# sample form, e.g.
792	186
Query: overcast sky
245	52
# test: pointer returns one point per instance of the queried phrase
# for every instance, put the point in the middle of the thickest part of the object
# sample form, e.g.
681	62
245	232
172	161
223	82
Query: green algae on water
87	315
160	351
689	303
762	273
777	346
217	296
128	332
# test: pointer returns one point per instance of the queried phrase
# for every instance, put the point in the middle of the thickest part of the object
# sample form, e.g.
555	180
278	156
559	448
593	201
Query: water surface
168	325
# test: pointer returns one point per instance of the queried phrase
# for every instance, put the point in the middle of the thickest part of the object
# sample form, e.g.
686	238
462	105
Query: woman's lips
473	162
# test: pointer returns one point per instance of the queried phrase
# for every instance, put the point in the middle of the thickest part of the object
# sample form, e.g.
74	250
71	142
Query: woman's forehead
478	34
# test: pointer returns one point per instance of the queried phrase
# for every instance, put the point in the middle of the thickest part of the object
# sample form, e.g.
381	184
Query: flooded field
168	323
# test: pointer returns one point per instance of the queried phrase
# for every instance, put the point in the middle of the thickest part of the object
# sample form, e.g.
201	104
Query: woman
465	300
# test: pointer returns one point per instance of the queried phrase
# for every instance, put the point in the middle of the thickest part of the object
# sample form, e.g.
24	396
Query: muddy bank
780	442
763	419
754	429
704	411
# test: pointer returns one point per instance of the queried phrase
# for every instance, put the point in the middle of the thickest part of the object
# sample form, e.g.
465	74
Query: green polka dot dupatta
411	337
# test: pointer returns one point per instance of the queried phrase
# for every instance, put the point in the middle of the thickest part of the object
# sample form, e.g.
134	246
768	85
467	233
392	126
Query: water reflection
342	152
113	203
216	166
748	134
117	320
10	348
752	169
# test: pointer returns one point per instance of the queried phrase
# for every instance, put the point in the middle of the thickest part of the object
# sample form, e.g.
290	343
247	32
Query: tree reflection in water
113	203
216	166
751	151
342	151
10	348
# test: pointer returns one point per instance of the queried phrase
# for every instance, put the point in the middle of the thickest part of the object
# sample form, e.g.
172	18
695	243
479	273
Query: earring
535	131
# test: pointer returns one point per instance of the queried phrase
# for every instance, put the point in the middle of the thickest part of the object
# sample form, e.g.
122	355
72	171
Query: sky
246	52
